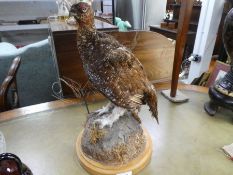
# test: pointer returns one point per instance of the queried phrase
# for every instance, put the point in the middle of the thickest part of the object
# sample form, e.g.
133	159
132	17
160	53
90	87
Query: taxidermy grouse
112	69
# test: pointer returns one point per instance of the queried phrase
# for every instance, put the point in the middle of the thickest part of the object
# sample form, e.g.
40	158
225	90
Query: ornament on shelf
122	25
197	2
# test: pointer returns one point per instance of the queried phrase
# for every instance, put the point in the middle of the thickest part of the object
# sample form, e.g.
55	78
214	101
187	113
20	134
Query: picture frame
219	71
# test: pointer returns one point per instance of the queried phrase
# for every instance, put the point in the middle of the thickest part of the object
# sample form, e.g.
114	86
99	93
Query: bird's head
83	13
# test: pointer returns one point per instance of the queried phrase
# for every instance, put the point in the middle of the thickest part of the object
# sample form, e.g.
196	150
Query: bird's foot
103	122
136	117
105	110
108	119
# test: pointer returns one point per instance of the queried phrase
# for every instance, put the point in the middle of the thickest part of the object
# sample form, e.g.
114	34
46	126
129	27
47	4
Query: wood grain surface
64	45
154	51
60	26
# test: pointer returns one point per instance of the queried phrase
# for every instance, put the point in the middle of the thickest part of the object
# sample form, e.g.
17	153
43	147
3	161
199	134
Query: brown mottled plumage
111	67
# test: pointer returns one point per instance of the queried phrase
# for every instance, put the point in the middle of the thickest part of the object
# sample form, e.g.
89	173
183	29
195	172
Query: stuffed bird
112	69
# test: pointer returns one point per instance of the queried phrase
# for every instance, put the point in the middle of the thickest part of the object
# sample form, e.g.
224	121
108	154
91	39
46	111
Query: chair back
9	81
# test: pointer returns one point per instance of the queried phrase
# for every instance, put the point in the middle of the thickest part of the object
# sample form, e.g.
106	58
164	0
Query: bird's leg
109	118
105	109
135	116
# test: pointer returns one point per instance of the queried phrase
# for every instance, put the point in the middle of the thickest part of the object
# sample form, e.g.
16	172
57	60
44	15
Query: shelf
169	30
178	5
169	33
7	28
176	21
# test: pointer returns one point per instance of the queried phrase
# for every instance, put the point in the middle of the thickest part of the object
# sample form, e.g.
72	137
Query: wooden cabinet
154	51
175	9
194	18
171	33
64	46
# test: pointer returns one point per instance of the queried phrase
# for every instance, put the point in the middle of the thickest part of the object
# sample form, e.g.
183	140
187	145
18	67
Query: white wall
156	10
210	17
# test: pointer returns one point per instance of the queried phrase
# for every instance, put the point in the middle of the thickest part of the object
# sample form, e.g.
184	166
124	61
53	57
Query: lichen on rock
117	145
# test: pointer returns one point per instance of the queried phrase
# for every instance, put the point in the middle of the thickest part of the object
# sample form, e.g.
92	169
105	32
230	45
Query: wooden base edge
96	168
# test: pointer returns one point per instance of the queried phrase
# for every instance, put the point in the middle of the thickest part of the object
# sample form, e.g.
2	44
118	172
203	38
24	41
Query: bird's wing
120	78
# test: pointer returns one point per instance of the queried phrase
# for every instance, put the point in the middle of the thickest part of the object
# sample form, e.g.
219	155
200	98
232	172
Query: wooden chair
10	81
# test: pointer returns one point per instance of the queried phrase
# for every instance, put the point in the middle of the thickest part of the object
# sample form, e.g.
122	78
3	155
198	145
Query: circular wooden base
96	168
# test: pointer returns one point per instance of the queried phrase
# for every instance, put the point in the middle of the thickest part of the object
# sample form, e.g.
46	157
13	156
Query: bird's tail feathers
151	100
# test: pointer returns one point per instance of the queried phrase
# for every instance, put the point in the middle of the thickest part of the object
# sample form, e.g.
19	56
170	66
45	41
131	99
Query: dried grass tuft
119	152
96	134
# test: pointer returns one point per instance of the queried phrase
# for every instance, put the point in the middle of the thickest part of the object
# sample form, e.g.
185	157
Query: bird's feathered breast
111	67
100	49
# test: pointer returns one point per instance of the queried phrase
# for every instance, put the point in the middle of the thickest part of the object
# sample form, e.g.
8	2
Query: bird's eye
84	10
